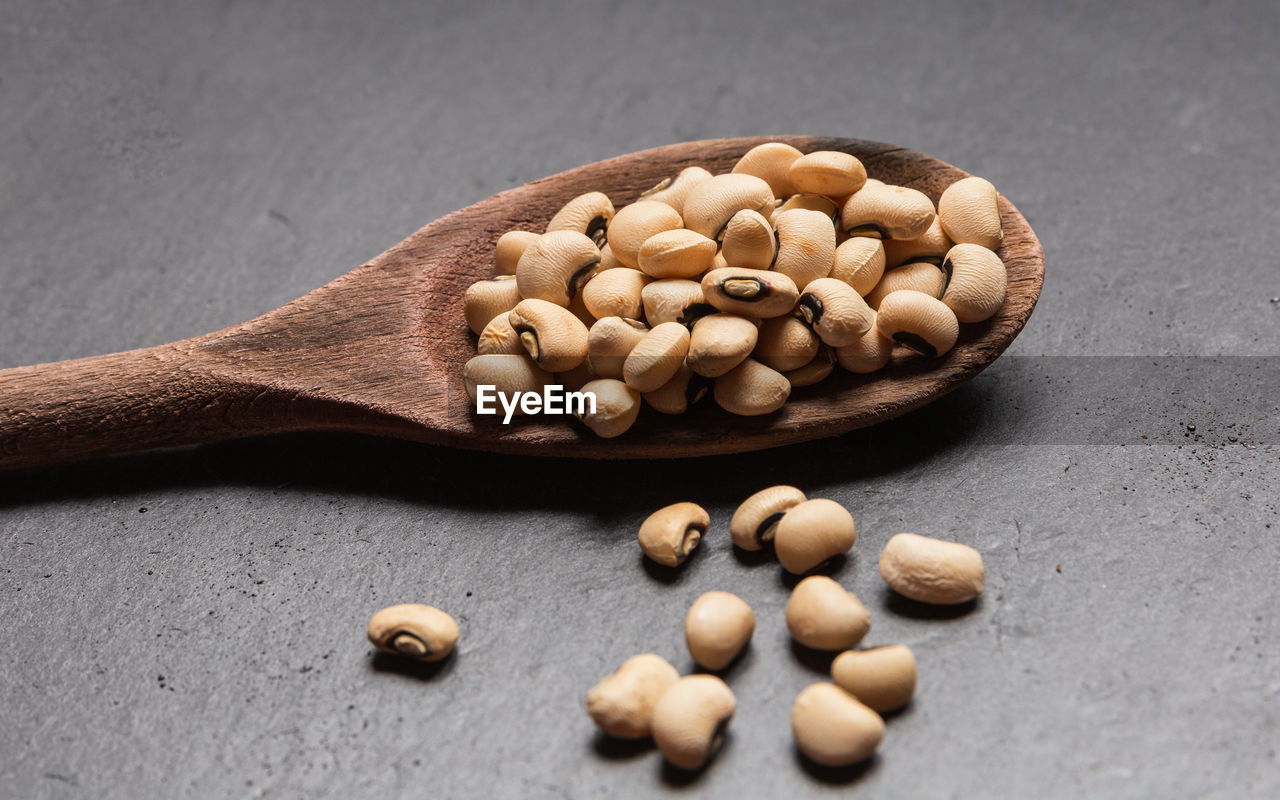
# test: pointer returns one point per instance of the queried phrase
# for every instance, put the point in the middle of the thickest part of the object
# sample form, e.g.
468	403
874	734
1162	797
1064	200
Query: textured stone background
191	622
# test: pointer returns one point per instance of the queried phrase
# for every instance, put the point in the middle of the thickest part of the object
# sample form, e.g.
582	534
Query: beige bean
884	678
756	520
676	395
931	247
770	162
887	212
615	293
932	570
867	354
552	336
717	628
556	267
656	357
860	263
811	533
511	245
811	202
719	343
815	372
919	276
610	341
749	241
918	321
750	292
824	615
506	373
751	389
588	214
608	260
671	533
969	211
834	311
676	254
828	173
616	407
976	281
806	245
634	224
712	203
498	337
622	704
415	630
832	728
785	343
674	300
485	300
691	718
673	192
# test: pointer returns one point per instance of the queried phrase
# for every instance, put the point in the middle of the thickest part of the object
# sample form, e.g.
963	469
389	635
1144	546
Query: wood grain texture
380	350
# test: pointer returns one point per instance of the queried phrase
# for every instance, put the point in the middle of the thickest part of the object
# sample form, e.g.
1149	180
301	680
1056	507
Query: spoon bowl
380	350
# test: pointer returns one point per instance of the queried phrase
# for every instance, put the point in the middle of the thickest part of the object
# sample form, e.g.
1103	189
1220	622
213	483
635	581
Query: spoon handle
161	396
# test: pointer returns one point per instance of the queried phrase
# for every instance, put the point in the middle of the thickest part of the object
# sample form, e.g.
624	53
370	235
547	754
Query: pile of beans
742	285
835	723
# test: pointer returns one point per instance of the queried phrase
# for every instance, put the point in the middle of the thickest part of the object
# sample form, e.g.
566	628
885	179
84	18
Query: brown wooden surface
380	350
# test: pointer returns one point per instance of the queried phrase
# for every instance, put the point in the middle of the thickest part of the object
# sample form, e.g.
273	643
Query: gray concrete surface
191	623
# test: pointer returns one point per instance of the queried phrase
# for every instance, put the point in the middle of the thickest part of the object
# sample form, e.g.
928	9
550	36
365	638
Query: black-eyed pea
834	311
930	247
810	202
815	372
615	293
712	203
812	533
634	224
771	162
969	211
676	254
824	615
552	336
832	728
588	214
920	322
755	521
691	719
785	343
757	293
674	300
615	409
498	337
860	263
671	533
414	630
508	374
657	357
622	704
717	628
511	245
828	173
486	299
919	276
883	678
975	282
806	245
610	341
932	570
882	211
676	395
556	267
749	241
867	354
674	191
751	389
719	343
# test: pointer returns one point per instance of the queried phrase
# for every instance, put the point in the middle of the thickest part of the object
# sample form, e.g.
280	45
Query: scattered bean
717	628
832	728
756	520
932	570
811	533
824	615
411	629
691	718
884	678
670	534
622	704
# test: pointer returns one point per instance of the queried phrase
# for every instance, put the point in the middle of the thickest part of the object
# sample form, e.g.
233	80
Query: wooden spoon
380	350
